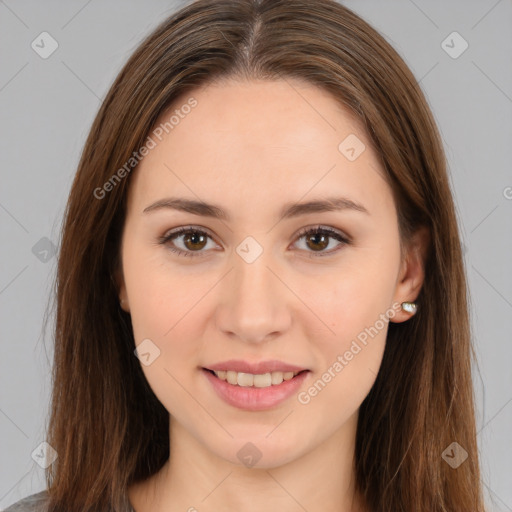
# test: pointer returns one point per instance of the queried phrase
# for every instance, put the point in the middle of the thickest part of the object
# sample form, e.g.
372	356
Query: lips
258	368
255	398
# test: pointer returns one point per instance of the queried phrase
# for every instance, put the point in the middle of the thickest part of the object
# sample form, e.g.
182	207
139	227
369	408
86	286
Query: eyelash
331	233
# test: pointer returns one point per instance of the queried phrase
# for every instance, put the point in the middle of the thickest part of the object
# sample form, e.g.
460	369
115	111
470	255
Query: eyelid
182	229
323	228
331	232
174	233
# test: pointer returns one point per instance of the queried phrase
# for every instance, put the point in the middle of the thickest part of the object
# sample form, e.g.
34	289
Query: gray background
46	109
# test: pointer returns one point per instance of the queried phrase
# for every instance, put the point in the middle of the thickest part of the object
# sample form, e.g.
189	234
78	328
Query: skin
251	147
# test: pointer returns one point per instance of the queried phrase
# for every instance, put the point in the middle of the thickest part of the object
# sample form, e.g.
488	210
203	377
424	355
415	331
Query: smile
250	380
255	392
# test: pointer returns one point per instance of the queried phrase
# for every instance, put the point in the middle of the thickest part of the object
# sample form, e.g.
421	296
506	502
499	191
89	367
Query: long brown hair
107	426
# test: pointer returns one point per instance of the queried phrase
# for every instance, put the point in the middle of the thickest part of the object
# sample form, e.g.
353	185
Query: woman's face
249	284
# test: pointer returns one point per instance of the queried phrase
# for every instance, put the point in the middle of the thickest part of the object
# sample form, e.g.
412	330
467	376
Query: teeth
259	381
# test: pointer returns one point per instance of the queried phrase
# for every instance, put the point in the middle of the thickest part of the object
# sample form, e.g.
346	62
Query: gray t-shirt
37	503
32	503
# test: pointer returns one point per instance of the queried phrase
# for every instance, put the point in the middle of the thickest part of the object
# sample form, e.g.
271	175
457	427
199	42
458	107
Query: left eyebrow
288	211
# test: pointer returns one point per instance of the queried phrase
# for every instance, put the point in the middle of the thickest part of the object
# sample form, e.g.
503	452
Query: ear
412	271
118	278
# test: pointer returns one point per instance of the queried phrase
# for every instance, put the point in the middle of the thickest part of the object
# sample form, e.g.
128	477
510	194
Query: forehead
270	114
259	140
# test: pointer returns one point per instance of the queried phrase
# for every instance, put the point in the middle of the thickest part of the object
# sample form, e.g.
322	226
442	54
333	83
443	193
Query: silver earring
410	307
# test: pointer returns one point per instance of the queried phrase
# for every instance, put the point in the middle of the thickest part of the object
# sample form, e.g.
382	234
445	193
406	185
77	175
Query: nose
254	302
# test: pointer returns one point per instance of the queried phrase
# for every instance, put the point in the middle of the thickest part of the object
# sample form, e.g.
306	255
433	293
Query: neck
321	478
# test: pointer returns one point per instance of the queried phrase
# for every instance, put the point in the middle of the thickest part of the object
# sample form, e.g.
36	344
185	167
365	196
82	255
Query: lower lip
252	398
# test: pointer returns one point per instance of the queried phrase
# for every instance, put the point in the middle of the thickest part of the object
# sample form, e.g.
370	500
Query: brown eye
192	241
318	239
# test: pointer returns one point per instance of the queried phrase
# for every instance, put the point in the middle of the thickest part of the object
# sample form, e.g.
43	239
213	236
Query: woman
261	301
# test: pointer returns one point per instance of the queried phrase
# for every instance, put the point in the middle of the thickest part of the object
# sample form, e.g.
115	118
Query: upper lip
258	368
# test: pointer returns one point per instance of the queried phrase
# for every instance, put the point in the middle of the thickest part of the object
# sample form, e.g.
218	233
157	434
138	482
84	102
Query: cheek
355	305
350	354
353	348
166	308
354	296
162	311
161	297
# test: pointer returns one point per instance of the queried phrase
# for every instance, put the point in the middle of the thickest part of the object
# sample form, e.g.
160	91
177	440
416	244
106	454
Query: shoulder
33	503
